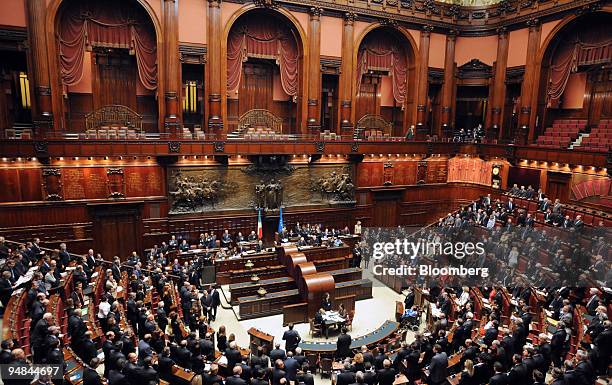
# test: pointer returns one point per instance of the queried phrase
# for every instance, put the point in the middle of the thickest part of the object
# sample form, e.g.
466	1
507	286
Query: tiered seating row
600	138
561	134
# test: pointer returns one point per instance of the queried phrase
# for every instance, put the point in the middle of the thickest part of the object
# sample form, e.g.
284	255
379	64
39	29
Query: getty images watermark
468	255
408	250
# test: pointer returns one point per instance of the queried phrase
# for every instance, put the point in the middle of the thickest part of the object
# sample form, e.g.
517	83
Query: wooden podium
259	338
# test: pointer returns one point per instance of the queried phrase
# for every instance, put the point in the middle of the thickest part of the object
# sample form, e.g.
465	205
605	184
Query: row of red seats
562	133
600	138
571	121
559	141
531	206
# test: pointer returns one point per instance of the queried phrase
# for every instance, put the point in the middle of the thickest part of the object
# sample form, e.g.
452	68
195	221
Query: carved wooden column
173	82
448	89
42	112
499	84
346	75
314	70
215	121
423	75
528	86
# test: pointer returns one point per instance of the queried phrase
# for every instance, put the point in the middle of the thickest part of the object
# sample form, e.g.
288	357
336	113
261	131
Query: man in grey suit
438	368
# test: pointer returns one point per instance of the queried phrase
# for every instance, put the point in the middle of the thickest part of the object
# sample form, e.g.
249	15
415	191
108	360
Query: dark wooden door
115	79
256	88
329	102
385	213
471	106
117	230
558	185
368	100
600	106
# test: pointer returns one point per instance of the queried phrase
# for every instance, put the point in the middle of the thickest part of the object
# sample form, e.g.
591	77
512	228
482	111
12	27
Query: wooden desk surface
400	380
181	373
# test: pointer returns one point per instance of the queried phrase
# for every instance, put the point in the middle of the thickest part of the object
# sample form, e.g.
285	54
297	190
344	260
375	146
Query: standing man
292	339
438	368
216	301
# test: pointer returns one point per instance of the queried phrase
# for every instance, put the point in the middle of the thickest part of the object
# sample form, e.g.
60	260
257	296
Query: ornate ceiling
471	3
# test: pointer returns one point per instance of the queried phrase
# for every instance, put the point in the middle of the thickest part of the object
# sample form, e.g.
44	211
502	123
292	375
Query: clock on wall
496	179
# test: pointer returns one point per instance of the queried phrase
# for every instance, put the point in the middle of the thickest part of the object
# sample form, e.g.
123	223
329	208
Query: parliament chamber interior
291	192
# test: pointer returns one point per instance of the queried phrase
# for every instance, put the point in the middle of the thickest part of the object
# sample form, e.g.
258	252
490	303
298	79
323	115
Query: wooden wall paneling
30	182
84	183
146	106
11	191
79	105
143	181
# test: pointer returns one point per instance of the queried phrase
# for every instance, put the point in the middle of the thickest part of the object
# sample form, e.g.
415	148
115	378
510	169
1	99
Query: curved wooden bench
113	116
372	126
260	120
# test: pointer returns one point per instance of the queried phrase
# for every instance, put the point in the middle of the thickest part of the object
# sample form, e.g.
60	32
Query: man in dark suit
386	376
346	376
291	367
557	344
90	375
438	368
499	378
292	339
578	223
38	335
207	347
213	376
226	239
593	301
343	345
216	302
147	374
585	372
491	333
278	373
235	379
165	364
277	353
5	354
518	373
116	377
544	205
304	377
6	288
233	355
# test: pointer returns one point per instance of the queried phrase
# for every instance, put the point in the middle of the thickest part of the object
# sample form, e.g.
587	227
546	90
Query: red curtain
585	46
258	37
381	53
113	24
